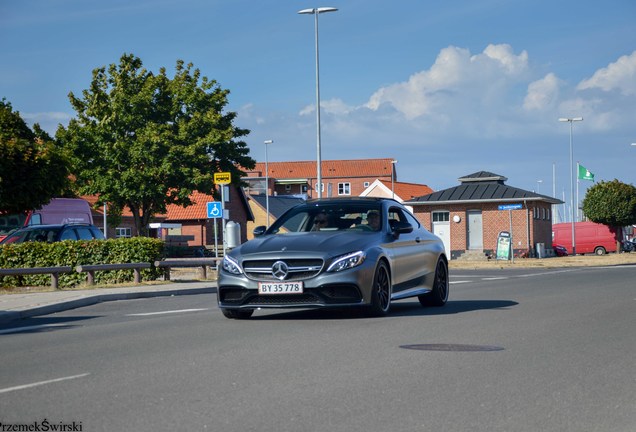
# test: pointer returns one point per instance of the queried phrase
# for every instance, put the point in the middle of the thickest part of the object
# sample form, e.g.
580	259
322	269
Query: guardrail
54	271
202	263
92	268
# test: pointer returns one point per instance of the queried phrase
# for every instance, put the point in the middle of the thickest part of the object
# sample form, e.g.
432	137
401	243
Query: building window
322	188
287	188
304	188
441	216
123	232
344	188
366	184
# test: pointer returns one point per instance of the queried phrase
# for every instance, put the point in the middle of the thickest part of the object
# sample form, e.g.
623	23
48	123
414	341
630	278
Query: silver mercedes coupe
335	253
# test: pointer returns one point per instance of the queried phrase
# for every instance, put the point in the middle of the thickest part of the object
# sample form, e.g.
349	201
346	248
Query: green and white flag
585	174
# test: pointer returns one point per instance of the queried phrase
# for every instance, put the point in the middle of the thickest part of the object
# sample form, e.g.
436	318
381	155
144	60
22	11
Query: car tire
380	291
237	313
600	251
439	295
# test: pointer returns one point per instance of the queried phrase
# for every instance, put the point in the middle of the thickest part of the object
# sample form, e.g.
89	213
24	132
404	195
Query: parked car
589	237
326	253
58	211
54	233
560	250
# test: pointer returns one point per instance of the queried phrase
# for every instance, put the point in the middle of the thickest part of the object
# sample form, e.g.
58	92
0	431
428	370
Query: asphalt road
514	350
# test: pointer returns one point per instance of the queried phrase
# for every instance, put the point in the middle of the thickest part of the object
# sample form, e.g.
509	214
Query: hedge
73	253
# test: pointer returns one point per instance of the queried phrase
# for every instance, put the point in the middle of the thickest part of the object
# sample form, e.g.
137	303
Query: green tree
611	203
145	140
33	170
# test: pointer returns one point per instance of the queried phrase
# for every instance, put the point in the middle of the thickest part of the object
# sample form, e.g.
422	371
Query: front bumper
348	288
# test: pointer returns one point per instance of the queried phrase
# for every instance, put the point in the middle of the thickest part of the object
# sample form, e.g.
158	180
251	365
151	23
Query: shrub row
74	253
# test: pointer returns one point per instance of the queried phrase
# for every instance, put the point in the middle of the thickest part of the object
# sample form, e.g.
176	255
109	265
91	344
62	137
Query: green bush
74	253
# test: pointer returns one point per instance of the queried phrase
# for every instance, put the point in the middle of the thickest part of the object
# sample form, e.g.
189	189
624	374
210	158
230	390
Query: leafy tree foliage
145	140
33	169
611	203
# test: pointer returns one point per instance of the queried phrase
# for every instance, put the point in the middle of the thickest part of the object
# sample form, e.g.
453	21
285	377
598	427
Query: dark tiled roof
482	186
277	204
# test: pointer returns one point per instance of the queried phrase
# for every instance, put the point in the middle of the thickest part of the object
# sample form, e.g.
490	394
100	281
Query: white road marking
459	282
29	328
168	312
495	278
36	384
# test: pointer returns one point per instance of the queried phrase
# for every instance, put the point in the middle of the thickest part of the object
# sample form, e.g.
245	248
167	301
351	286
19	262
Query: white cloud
455	76
620	76
542	93
48	121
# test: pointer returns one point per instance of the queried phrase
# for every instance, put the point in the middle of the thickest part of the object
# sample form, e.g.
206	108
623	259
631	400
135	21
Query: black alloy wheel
439	295
381	291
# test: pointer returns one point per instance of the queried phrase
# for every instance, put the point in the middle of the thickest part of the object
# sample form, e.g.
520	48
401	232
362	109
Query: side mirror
401	228
259	230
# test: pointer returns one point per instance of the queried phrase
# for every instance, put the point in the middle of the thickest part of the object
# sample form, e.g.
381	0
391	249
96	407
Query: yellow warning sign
222	178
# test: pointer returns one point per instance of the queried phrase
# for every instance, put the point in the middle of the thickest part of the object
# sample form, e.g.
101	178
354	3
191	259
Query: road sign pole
216	241
512	245
223	216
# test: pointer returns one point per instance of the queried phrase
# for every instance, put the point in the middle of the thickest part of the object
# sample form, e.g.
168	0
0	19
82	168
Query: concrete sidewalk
17	306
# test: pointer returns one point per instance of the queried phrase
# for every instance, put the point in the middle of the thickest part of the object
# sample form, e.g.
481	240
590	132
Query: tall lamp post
267	143
393	162
316	12
572	120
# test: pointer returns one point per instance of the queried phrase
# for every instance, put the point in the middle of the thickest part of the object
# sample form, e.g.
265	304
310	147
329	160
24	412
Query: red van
58	211
589	237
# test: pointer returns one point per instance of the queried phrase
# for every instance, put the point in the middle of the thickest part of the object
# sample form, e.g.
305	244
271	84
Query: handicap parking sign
214	210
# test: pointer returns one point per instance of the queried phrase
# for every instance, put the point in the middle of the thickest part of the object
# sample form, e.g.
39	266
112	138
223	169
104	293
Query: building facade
470	217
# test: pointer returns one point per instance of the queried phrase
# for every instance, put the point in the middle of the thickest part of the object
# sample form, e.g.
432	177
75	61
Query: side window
84	233
97	233
411	219
398	215
68	234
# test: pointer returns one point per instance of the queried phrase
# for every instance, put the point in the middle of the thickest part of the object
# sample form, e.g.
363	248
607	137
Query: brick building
468	217
339	177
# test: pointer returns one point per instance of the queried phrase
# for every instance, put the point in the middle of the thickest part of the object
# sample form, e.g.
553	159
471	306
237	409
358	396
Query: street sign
510	206
222	178
215	210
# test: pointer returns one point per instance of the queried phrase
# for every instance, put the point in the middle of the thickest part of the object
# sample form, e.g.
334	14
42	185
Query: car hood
318	244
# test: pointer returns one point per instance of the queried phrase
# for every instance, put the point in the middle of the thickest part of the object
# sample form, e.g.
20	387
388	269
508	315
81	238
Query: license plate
280	287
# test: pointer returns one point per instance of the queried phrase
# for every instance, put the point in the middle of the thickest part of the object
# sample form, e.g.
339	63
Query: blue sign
215	210
510	206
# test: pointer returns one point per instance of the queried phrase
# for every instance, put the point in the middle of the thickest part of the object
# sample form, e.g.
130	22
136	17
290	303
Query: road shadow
400	308
41	324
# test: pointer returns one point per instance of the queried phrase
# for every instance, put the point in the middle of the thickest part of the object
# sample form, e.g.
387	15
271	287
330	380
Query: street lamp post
572	120
267	143
316	12
393	162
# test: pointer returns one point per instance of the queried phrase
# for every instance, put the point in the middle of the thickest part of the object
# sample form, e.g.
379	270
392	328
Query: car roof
349	199
51	226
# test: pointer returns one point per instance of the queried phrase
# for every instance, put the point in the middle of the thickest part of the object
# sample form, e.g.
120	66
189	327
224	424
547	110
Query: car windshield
329	217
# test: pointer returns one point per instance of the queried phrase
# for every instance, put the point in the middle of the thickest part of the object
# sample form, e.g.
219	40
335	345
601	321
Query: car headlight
230	265
347	261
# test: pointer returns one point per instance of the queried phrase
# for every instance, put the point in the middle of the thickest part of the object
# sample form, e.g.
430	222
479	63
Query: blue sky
446	88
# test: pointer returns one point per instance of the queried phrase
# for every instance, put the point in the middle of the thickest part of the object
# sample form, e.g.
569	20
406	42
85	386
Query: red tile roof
408	191
198	210
330	168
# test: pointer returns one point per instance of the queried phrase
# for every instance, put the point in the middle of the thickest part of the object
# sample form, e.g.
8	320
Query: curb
8	316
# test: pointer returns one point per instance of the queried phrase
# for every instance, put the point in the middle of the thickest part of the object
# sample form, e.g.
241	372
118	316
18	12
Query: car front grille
299	269
323	296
